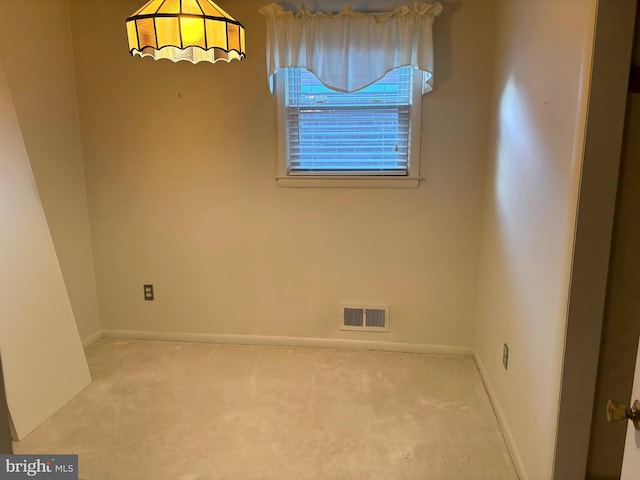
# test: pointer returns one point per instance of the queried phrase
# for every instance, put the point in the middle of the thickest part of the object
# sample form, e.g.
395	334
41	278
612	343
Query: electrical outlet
148	292
505	356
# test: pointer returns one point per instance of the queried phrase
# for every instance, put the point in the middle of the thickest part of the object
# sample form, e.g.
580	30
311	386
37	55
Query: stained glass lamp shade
193	30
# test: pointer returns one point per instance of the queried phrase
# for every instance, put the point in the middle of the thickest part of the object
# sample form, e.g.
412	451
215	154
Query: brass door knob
619	412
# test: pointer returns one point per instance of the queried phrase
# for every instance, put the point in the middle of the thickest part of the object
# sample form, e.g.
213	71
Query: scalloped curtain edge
293	37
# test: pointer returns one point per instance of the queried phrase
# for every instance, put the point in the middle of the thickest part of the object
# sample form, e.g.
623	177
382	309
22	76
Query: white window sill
347	181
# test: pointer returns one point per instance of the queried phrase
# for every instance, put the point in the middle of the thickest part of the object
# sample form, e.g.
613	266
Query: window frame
350	179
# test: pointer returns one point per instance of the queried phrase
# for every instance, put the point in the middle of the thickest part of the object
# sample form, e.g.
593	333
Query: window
370	134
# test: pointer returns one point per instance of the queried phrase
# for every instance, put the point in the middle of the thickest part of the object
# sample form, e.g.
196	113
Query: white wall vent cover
370	318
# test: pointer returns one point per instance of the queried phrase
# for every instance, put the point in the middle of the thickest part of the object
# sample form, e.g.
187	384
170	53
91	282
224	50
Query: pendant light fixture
193	30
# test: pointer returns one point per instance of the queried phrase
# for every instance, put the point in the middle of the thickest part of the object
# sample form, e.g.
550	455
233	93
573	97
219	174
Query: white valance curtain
349	50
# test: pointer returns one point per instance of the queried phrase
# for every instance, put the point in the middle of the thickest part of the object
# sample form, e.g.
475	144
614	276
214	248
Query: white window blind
366	132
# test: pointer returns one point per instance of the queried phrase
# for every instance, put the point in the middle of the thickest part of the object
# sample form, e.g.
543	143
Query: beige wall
180	163
180	166
37	52
42	357
542	72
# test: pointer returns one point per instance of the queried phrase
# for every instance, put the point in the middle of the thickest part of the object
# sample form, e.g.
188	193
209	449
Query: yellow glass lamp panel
146	33
216	34
132	34
168	31
212	10
191	6
192	30
170	6
233	32
148	8
242	41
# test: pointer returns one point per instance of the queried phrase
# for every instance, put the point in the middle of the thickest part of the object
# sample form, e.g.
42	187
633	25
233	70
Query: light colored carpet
179	411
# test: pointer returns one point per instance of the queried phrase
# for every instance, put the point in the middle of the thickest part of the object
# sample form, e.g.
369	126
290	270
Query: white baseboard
502	420
263	340
91	339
